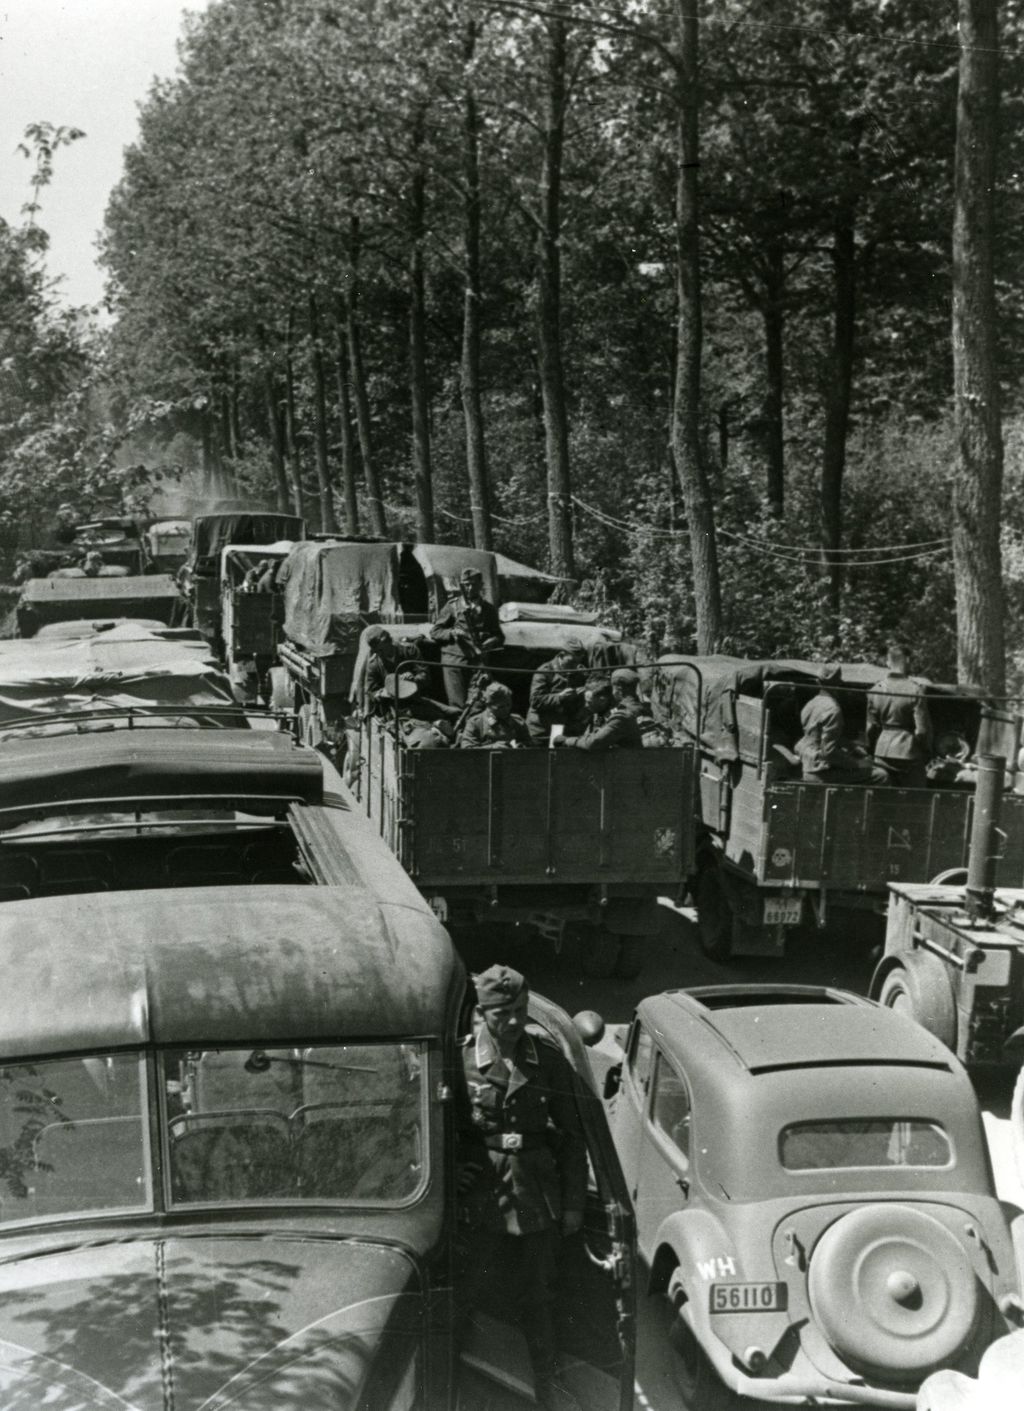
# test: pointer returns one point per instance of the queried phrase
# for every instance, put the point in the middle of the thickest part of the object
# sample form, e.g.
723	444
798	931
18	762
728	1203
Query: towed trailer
779	851
575	846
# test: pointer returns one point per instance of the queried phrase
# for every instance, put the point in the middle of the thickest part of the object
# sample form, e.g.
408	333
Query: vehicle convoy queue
269	1086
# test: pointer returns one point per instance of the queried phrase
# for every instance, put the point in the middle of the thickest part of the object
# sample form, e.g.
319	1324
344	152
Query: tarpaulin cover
677	683
443	563
126	666
331	591
520	583
544	612
46	600
213	532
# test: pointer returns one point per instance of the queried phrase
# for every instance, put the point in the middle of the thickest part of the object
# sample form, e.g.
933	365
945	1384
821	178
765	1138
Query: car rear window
849	1142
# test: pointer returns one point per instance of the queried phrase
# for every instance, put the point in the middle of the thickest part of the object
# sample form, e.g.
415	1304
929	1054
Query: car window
74	1137
670	1106
335	1123
641	1055
848	1142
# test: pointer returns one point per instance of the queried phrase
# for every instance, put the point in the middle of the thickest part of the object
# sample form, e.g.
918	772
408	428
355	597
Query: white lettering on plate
723	1267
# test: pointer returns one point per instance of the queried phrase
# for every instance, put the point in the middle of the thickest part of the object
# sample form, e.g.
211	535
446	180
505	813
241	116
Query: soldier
522	1167
421	723
824	755
468	630
556	692
495	727
899	724
626	691
385	656
612	726
92	564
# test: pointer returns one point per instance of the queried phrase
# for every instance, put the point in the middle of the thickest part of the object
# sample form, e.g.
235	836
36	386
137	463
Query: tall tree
977	487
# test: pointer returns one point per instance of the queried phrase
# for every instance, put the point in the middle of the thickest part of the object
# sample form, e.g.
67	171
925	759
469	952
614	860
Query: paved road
675	960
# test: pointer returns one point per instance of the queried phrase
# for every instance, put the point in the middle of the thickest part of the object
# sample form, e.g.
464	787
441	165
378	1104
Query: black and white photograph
511	705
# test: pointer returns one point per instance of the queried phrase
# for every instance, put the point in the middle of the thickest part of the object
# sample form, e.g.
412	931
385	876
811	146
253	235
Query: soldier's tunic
379	668
519	1123
458	620
484	731
899	727
823	755
615	729
546	705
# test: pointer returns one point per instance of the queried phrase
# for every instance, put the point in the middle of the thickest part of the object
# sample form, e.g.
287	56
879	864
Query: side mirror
589	1026
612	1082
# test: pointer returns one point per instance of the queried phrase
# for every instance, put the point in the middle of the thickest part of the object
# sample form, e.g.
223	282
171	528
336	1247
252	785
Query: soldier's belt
515	1141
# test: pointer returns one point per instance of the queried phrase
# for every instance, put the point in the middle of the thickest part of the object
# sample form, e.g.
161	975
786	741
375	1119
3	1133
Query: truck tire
599	952
714	915
920	988
630	960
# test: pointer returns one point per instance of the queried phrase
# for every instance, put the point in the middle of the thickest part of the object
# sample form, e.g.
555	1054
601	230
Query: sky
85	64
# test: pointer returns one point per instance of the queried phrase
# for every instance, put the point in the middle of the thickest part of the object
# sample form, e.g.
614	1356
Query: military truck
45	601
211	533
779	851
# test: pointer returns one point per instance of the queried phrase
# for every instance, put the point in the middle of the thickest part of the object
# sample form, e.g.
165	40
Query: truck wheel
920	988
714	915
698	1383
630	960
599	953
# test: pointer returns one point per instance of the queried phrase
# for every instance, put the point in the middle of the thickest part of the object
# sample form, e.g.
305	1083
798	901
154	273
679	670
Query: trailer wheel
630	960
599	952
714	915
920	988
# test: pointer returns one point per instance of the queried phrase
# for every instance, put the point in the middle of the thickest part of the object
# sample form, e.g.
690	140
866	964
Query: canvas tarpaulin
127	666
331	591
47	600
521	583
442	566
213	532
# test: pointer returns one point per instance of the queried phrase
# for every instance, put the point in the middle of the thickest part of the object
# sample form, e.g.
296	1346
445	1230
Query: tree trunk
549	317
276	438
328	523
291	431
774	366
837	406
977	487
374	496
472	407
418	390
700	512
348	446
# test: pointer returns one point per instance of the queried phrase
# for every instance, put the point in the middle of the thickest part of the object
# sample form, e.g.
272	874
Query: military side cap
625	676
377	634
497	691
499	984
471	575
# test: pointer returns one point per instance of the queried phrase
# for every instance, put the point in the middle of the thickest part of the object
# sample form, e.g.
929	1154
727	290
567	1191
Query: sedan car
813	1194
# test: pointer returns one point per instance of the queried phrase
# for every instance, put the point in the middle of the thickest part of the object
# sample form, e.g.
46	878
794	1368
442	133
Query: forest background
409	264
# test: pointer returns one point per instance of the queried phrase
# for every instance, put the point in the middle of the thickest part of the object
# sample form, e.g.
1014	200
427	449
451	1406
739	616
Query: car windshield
321	1124
846	1143
339	1124
73	1139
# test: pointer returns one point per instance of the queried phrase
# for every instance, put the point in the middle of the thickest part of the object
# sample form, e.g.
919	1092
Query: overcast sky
86	64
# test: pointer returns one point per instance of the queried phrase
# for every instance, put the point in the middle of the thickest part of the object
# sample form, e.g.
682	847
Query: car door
631	1101
663	1179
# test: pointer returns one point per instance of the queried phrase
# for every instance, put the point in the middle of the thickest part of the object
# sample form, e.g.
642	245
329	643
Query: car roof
154	766
220	965
768	1029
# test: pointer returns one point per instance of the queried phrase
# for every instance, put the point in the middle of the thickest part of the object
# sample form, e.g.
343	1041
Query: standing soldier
468	630
899	723
522	1168
556	692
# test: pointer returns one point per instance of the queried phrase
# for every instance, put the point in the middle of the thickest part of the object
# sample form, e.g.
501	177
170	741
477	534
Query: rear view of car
813	1194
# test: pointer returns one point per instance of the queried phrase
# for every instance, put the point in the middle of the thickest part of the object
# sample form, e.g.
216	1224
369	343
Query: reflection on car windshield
324	1123
73	1138
851	1142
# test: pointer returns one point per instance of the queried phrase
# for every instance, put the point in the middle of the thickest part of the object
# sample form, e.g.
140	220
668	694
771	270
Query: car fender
696	1243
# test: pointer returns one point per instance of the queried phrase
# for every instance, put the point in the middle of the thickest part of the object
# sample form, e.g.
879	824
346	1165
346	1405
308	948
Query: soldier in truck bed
468	630
611	725
825	755
899	723
385	656
556	693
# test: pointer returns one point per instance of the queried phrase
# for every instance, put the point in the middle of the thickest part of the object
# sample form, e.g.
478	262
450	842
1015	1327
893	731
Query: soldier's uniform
564	672
466	631
484	731
613	729
518	1123
824	756
900	728
379	669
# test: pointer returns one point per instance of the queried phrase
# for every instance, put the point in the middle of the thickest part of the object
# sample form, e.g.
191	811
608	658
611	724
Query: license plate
783	911
748	1298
